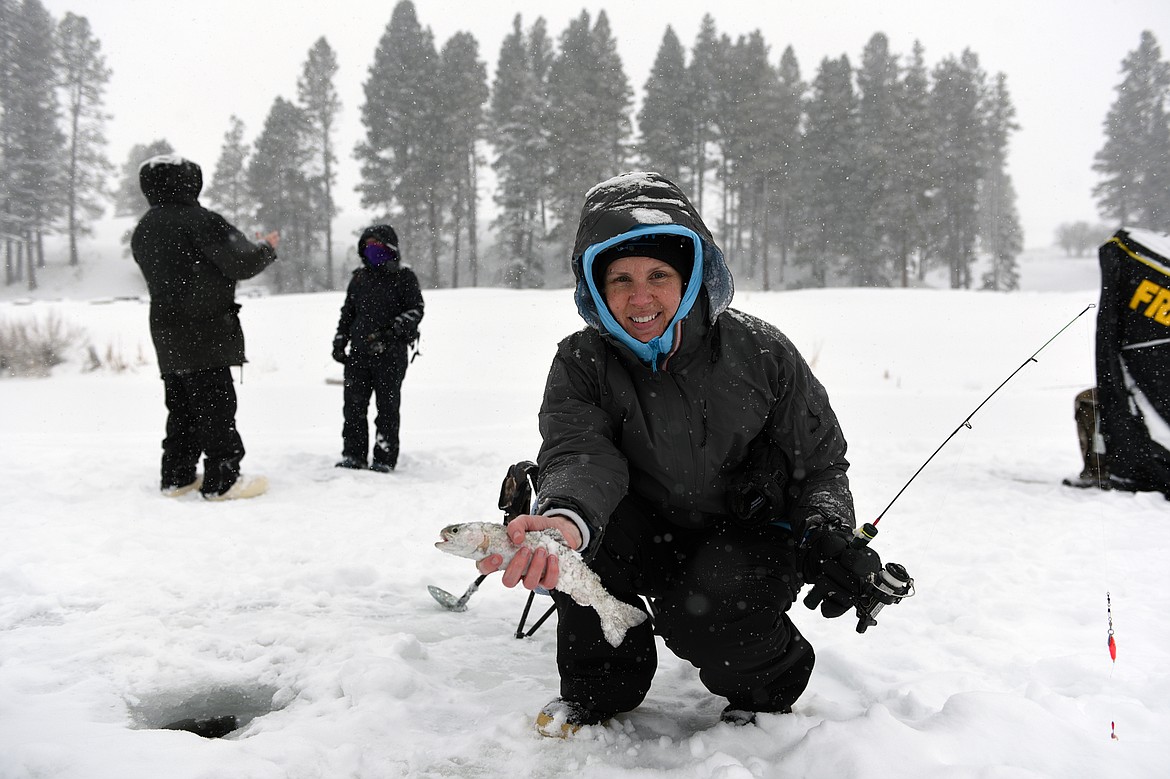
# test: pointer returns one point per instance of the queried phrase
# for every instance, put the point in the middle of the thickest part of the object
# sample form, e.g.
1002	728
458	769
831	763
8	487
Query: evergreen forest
871	171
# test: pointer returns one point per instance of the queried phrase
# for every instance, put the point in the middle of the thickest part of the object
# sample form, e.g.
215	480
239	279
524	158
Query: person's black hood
386	235
169	178
628	207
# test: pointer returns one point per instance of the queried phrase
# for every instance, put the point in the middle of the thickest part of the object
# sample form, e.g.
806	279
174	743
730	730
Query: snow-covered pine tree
228	191
7	217
1000	234
702	78
1134	163
400	170
34	143
463	91
321	104
879	126
831	145
913	180
587	121
516	115
84	76
960	161
748	103
282	181
664	121
784	202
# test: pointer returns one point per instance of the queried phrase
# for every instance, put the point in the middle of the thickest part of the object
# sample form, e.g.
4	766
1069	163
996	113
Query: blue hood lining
651	351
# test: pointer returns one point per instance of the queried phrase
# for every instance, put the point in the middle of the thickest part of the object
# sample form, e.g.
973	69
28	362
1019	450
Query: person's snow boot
561	718
177	490
381	467
1093	473
352	464
733	715
244	487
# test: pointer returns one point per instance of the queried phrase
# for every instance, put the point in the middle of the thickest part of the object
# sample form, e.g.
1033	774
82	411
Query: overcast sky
182	68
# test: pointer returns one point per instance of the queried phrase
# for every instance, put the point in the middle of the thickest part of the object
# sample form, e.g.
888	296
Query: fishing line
1105	543
966	423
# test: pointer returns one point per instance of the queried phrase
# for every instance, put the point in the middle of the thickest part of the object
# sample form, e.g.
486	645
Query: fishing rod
966	423
890	584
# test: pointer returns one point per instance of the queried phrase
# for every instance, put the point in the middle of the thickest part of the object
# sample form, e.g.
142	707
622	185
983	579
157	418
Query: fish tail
617	618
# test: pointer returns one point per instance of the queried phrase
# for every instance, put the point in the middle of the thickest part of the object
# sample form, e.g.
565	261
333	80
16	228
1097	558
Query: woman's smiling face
643	295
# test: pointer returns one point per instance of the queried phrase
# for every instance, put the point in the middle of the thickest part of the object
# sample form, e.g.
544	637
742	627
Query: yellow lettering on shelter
1144	294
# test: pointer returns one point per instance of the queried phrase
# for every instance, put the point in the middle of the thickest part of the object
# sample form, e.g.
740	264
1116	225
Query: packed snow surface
305	613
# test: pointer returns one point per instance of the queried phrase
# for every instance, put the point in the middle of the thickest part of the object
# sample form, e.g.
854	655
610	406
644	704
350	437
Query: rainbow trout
477	540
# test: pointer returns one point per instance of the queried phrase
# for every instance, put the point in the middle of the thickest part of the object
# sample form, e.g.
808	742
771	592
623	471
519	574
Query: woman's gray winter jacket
676	434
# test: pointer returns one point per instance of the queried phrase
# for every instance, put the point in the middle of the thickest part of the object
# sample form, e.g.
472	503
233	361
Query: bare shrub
34	347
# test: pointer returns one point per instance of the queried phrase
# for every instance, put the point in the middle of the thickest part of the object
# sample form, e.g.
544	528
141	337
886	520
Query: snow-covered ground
306	613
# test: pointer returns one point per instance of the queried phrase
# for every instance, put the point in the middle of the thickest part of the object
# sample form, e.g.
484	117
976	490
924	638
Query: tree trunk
472	218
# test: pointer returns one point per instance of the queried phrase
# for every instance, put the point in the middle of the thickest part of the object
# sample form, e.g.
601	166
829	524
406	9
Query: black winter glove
376	342
339	349
839	566
405	325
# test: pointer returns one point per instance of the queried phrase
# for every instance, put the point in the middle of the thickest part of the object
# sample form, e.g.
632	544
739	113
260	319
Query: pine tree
8	224
1134	163
84	76
831	143
960	161
785	202
913	155
749	100
516	114
1000	230
664	121
880	127
282	181
321	104
999	223
702	89
400	161
228	192
588	120
614	97
34	143
462	95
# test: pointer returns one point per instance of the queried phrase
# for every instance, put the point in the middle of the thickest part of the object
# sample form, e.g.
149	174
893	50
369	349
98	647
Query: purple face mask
378	254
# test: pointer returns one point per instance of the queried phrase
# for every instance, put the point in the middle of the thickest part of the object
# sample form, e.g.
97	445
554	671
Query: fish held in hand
477	540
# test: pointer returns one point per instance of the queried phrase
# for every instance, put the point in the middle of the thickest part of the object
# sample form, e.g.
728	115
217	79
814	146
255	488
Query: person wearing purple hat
379	321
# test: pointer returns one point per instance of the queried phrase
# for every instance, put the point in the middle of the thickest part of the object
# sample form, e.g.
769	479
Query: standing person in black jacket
191	259
379	320
657	418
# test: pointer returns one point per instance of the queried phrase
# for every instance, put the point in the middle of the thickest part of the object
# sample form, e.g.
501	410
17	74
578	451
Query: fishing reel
885	586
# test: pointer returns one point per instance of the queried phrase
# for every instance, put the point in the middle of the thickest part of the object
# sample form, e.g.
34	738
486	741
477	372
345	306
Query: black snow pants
201	420
719	600
380	375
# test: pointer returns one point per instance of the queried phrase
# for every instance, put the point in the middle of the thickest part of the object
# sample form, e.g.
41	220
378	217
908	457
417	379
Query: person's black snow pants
201	420
380	375
719	600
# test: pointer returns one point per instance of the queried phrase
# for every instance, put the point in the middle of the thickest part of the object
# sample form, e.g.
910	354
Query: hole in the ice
211	712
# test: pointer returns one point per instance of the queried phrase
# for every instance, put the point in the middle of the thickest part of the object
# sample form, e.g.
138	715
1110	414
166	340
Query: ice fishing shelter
1133	359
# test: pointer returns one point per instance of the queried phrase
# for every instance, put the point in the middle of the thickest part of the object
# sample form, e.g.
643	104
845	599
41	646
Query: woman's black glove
839	565
339	349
